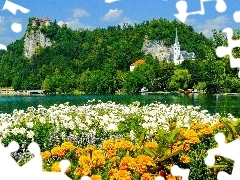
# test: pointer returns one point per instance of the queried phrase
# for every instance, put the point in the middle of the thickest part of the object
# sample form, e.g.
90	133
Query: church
171	54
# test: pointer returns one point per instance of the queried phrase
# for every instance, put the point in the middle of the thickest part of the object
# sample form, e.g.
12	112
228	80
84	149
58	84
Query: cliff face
33	40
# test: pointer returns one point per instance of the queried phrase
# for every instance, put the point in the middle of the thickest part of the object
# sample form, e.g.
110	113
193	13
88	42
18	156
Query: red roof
47	19
141	61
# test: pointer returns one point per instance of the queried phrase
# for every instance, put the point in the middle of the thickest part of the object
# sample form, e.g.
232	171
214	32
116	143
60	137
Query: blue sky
97	13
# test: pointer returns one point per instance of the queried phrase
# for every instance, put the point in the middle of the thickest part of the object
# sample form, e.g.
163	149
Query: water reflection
213	103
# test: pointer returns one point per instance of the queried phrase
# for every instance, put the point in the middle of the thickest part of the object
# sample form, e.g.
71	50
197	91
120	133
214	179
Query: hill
72	57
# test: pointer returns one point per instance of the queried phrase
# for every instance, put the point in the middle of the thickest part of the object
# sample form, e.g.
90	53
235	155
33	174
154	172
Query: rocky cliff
34	39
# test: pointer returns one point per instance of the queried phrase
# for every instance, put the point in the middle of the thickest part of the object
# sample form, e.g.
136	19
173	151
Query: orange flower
186	147
147	176
142	162
96	177
46	155
58	151
127	163
123	174
170	177
185	159
111	153
85	170
194	140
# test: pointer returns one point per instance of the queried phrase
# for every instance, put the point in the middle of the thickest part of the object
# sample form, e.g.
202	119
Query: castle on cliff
40	22
171	54
34	39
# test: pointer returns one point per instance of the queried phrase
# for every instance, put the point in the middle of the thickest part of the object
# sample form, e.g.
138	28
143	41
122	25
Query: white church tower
176	51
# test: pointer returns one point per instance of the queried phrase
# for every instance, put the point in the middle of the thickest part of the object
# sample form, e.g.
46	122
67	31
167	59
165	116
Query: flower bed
112	141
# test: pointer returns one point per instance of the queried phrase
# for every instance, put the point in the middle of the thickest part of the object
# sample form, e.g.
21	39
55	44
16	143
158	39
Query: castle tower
176	50
47	21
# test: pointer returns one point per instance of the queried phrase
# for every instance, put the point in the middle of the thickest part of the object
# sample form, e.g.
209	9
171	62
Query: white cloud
206	28
79	13
126	20
74	21
2	24
110	1
76	24
112	14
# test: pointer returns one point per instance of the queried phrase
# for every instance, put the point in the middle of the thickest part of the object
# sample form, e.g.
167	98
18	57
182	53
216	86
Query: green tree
179	80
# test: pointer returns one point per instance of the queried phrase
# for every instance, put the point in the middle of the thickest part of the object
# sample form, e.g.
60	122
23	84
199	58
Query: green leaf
174	135
150	152
161	132
171	155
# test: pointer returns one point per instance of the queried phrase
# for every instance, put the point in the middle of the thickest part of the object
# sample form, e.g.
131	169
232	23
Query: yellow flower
111	153
185	159
188	134
96	177
85	170
84	160
79	151
186	147
206	131
56	167
195	126
125	145
147	176
90	149
218	125
153	145
98	158
67	146
58	151
108	145
112	172
46	155
194	140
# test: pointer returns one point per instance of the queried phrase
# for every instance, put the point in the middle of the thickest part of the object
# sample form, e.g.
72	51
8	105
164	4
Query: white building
172	54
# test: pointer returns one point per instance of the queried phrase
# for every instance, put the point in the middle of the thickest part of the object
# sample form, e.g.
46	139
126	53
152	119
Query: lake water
213	103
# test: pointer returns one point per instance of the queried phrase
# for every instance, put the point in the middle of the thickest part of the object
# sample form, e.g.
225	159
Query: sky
98	13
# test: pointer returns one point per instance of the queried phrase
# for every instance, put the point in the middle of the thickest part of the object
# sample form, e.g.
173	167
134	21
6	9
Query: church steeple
176	38
176	50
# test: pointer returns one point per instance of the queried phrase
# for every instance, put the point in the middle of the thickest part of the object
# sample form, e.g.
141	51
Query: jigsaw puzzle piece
8	164
182	7
227	150
221	6
221	51
236	16
182	11
177	171
35	164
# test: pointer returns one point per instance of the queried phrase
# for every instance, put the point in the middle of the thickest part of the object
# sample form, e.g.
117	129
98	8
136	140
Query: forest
98	61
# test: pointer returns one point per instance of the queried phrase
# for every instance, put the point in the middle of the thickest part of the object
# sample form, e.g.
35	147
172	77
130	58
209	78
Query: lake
212	103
